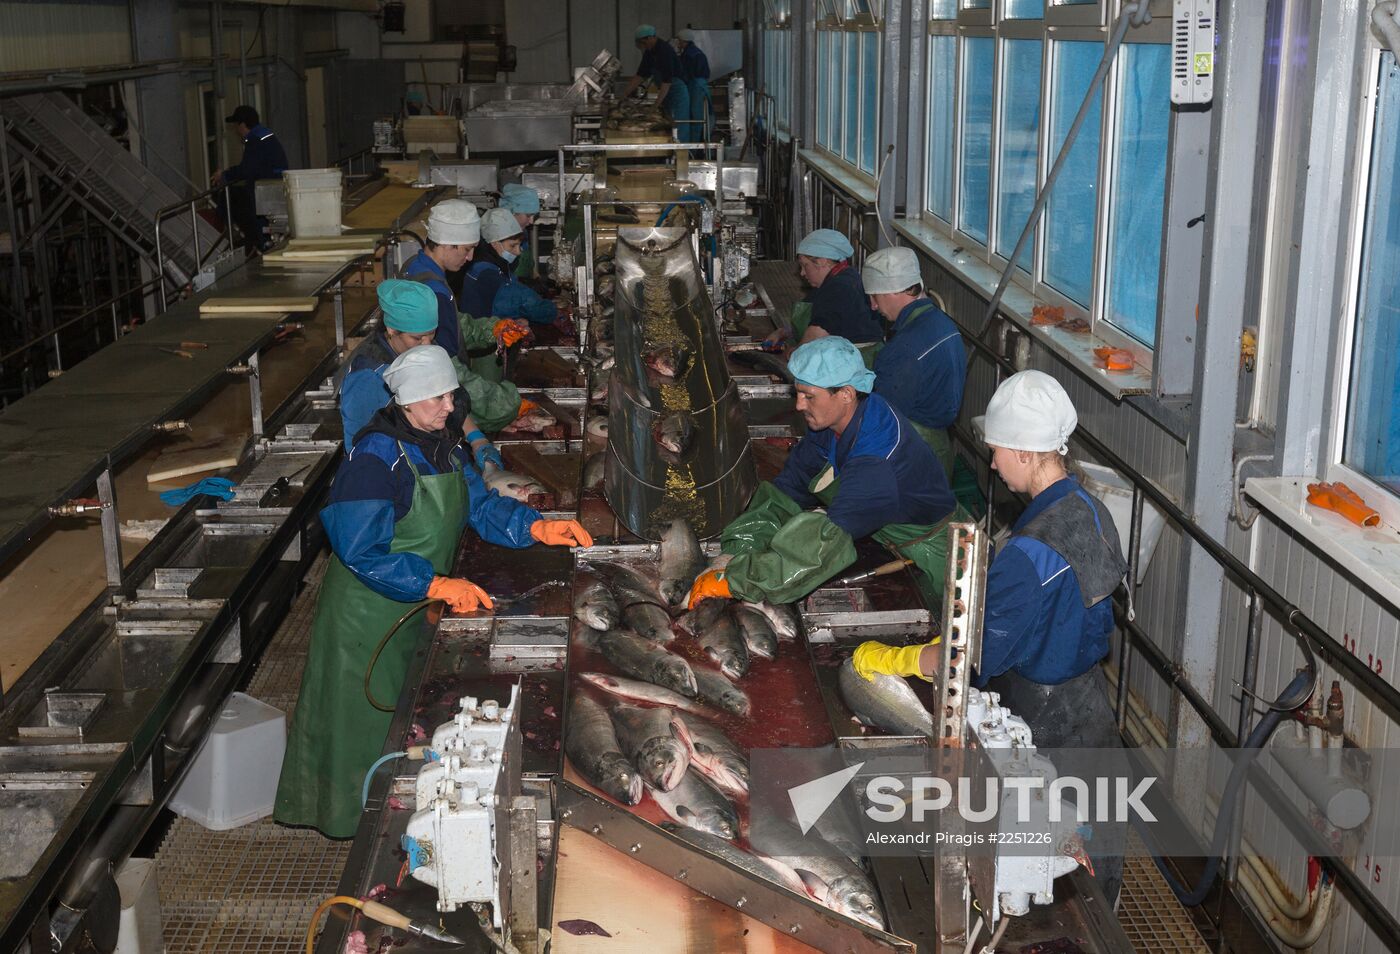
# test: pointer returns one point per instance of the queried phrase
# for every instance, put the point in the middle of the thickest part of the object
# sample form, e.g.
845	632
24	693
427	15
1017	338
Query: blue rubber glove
220	487
488	452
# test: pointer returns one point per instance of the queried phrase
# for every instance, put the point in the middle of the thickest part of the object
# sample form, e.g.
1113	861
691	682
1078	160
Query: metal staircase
65	144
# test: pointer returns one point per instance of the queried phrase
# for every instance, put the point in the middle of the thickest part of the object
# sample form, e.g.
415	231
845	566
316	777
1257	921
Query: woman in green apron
396	512
863	463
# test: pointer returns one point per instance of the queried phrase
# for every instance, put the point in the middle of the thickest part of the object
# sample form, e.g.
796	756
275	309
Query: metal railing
367	161
200	256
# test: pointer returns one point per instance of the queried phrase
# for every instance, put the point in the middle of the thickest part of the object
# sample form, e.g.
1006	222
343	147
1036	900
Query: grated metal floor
251	889
1150	914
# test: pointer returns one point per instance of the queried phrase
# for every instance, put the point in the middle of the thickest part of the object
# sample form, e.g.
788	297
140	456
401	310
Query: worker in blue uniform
1048	613
263	158
662	66
410	316
524	203
490	286
695	66
922	368
398	505
836	303
863	463
473	338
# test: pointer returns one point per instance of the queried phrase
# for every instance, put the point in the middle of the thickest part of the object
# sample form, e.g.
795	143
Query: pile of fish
652	731
508	483
532	421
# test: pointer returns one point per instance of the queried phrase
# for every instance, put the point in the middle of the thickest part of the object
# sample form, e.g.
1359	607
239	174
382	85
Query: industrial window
869	110
1020	132
777	45
1372	437
848	57
850	117
823	90
1004	85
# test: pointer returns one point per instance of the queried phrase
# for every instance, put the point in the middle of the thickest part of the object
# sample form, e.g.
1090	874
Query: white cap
891	270
498	224
454	222
420	373
688	35
1030	412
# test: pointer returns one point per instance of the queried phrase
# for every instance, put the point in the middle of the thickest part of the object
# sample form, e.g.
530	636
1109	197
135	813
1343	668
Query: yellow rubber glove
871	658
463	596
561	533
708	585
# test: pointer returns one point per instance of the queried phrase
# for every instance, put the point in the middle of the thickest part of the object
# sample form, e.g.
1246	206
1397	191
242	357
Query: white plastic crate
233	780
313	201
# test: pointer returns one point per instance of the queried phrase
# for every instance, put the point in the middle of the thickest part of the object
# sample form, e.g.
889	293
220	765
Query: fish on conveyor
598	427
713	754
595	469
647	619
635	690
673	432
887	703
697	804
715	688
629	584
705	614
757	631
531	422
721	639
766	868
648	661
647	738
591	745
596	607
834	880
681	561
507	483
605	287
763	362
781	616
669	360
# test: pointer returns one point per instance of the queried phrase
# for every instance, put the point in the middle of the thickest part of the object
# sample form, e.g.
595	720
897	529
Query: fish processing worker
837	303
922	368
490	286
397	508
263	158
1048	615
863	463
524	203
695	66
454	228
661	65
410	312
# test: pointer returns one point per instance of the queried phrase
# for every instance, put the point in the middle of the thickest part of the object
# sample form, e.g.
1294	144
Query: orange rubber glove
509	330
709	585
561	533
463	596
1341	499
526	406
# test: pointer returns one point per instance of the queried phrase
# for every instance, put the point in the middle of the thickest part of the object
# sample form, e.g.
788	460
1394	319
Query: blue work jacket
923	367
491	285
422	268
695	65
660	64
1036	623
263	157
841	307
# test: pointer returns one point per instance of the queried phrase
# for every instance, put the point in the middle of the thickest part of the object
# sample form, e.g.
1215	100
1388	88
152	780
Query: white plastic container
1117	495
139	930
313	201
233	780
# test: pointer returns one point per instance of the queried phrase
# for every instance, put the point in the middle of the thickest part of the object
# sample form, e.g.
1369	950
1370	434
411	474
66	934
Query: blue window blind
1139	190
942	92
1020	126
979	55
870	86
1373	409
1069	215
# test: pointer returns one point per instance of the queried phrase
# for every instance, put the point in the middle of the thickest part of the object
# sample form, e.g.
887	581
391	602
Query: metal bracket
962	627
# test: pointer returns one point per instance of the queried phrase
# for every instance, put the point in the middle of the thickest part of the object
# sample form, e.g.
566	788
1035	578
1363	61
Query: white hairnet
420	373
454	222
1030	412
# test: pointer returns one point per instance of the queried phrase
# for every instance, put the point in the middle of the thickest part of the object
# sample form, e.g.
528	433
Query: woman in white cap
490	286
1048	611
836	303
397	509
472	338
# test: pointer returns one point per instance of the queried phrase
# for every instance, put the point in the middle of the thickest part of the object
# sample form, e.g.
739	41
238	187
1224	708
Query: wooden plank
256	306
382	210
197	456
334	241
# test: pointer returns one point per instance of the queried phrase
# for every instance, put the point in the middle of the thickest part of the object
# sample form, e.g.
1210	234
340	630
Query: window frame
1062	23
855	26
1382	498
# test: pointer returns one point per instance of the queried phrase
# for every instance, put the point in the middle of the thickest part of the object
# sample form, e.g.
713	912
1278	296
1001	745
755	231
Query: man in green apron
396	511
860	461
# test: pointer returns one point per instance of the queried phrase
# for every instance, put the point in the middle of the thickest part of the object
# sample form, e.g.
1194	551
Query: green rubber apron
926	545
336	734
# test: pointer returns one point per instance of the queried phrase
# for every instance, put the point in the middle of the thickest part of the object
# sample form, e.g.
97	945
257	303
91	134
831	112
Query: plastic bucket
1116	492
313	201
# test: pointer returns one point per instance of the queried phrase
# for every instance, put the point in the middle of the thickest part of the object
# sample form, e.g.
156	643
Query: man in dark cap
263	158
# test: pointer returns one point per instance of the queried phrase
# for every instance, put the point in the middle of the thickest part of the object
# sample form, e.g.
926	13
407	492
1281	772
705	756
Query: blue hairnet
644	31
831	362
826	243
408	306
520	199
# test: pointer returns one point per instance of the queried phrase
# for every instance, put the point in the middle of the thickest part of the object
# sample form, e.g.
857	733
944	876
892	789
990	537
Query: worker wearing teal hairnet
661	65
524	203
863	463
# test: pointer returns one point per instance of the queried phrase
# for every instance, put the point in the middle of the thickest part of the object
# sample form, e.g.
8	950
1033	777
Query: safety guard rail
192	204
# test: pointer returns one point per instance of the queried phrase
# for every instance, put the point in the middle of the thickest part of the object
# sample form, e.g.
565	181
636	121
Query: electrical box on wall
1193	51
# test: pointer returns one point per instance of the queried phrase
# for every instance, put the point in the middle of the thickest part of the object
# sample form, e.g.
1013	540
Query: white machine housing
1022	879
452	836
